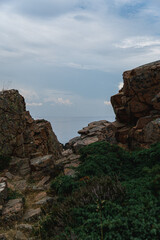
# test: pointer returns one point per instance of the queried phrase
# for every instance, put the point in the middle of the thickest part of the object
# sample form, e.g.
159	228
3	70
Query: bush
115	195
64	185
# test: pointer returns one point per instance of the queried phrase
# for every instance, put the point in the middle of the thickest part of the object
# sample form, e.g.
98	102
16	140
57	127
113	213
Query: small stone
42	162
32	214
9	175
45	201
40	196
37	154
13	210
25	227
44	181
20	236
67	152
21	185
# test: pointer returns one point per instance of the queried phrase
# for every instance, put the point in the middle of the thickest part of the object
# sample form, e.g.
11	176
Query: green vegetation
115	195
12	194
4	162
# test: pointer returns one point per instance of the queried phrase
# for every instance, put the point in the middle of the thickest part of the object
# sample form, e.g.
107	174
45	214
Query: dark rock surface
20	134
137	105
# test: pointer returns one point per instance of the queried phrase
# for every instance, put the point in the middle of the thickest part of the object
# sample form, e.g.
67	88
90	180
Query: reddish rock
13	210
32	215
20	166
20	236
137	106
141	88
20	134
94	132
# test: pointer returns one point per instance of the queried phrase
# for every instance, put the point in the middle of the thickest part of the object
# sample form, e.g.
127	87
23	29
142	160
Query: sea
66	128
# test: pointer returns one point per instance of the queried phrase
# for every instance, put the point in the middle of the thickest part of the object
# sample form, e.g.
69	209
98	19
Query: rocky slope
20	134
37	157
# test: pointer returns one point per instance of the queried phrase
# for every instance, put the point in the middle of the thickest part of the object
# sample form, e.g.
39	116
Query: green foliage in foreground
115	195
4	162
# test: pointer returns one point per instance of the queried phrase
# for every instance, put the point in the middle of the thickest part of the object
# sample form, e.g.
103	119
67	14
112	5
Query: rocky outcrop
137	110
20	134
94	132
137	106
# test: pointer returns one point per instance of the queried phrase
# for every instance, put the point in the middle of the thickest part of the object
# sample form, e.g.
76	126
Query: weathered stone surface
137	106
9	175
25	227
20	134
20	236
67	152
32	214
40	195
152	131
20	166
21	185
40	163
45	180
13	210
3	190
141	89
94	132
45	201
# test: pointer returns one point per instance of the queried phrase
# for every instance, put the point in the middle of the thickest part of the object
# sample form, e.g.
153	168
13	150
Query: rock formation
137	110
37	156
94	132
137	105
20	134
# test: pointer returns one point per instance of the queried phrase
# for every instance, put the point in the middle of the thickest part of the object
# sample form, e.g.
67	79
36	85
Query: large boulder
20	134
140	95
137	106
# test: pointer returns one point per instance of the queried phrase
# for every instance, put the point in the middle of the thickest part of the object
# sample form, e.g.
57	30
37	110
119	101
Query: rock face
13	210
20	134
94	132
137	110
137	106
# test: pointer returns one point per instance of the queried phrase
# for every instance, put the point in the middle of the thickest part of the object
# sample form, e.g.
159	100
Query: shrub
64	185
96	205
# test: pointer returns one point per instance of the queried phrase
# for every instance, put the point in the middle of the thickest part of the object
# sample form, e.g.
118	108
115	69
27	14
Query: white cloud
57	97
120	85
63	101
82	39
108	103
29	95
123	2
33	104
138	42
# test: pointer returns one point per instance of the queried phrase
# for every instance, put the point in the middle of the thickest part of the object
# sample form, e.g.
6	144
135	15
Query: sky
66	57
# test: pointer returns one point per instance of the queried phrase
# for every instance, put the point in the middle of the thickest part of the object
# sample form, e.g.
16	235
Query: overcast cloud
77	49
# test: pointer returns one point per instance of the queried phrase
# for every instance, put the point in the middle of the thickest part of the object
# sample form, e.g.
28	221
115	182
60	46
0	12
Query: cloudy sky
67	56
